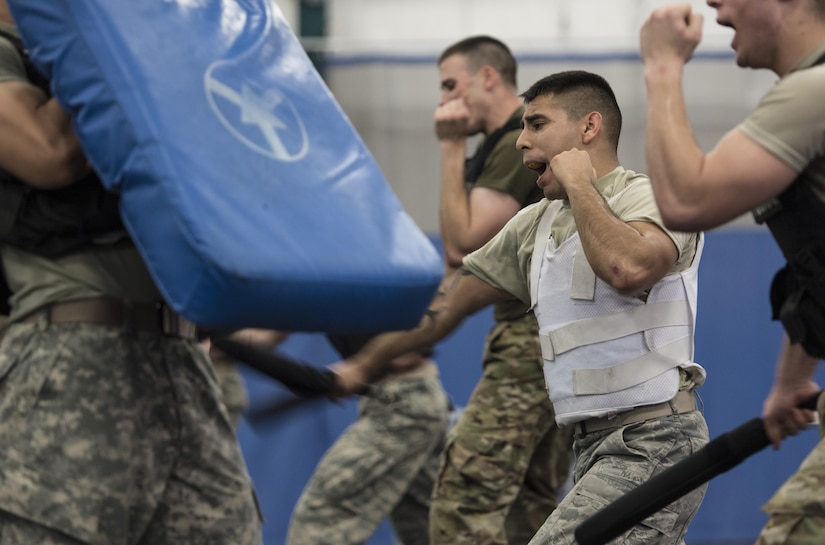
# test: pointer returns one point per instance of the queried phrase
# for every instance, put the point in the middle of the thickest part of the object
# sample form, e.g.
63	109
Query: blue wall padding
247	190
735	340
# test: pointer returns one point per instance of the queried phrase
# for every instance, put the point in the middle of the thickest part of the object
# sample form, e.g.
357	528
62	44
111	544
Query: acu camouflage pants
116	437
382	466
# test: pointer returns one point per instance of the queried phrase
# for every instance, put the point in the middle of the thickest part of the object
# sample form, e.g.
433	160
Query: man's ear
490	75
592	126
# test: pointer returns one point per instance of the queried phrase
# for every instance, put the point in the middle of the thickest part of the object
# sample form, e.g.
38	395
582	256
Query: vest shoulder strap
474	166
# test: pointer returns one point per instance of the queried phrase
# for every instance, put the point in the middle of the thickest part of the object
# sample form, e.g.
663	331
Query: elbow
679	215
55	169
627	280
455	252
680	218
47	180
627	287
453	257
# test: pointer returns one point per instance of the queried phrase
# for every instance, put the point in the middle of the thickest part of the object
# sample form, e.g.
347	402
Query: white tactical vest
605	352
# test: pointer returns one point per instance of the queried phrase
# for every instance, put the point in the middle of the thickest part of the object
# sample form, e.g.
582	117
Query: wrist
657	72
453	145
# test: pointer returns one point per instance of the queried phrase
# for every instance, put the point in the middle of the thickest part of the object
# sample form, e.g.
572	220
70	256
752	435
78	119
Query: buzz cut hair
578	93
482	51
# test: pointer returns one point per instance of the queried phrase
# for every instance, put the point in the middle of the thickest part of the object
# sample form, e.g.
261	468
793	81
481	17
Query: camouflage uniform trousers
506	461
116	437
797	510
610	463
383	465
233	389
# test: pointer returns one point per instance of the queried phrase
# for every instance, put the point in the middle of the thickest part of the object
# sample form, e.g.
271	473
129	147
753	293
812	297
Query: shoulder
789	121
807	82
628	184
531	214
797	96
507	144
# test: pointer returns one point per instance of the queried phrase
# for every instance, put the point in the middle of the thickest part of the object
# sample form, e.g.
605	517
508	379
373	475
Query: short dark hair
485	50
580	93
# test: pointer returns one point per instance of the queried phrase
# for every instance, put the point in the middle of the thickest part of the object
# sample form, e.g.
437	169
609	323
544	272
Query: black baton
723	453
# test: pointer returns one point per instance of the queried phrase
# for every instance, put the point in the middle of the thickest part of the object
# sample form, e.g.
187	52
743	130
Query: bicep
490	210
19	125
655	254
37	143
740	175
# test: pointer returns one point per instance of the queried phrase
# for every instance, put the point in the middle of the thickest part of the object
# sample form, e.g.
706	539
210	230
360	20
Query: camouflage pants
506	460
113	437
382	466
797	510
233	390
609	463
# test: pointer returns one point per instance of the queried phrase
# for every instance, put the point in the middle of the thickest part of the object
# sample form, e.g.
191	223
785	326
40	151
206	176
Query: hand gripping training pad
246	189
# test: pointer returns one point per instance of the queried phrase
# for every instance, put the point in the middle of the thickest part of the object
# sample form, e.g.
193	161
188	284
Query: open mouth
537	166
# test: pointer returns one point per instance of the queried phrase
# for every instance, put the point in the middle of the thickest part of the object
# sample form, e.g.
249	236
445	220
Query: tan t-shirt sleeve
11	64
789	121
637	203
504	262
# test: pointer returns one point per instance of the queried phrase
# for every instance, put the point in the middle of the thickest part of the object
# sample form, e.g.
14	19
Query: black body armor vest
474	166
56	222
796	220
53	223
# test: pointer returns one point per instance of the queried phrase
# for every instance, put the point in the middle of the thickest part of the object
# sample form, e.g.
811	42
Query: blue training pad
246	189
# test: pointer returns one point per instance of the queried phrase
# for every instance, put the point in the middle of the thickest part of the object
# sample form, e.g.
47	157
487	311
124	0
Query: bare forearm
462	295
795	367
793	384
674	158
454	202
609	243
376	356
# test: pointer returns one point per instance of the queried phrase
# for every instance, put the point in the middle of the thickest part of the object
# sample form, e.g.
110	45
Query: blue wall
736	342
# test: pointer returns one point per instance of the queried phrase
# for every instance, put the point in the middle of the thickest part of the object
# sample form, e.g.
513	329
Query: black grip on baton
301	378
723	453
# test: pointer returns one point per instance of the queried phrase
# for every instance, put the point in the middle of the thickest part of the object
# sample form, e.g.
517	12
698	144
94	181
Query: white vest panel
605	352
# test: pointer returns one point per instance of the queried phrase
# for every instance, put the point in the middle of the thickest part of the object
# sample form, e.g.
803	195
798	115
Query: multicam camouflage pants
797	510
113	437
506	460
609	463
382	466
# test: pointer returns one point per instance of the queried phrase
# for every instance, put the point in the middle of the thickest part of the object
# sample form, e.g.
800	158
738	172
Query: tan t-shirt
789	121
117	271
504	262
11	64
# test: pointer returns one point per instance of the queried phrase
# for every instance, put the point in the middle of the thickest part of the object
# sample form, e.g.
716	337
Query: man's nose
521	141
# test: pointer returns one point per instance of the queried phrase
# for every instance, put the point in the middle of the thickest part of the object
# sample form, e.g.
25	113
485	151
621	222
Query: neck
604	164
802	34
505	105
